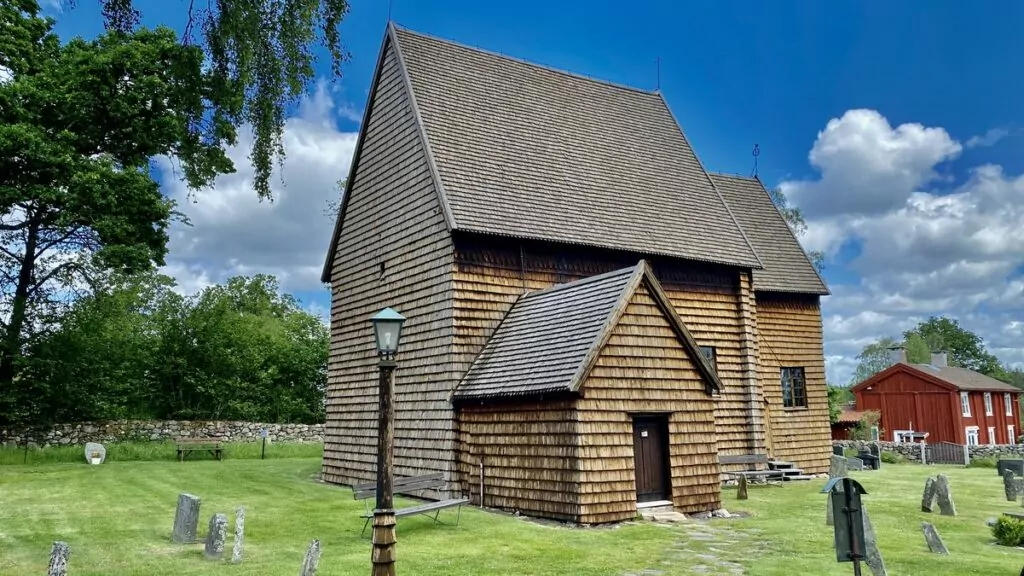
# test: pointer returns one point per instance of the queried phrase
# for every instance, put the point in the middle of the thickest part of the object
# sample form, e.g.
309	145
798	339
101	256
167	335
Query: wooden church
594	319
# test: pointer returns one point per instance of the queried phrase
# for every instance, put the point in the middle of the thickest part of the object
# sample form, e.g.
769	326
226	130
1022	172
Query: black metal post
383	556
263	452
855	552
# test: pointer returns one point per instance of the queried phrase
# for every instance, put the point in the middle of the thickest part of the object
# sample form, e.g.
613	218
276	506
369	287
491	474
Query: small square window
794	388
711	356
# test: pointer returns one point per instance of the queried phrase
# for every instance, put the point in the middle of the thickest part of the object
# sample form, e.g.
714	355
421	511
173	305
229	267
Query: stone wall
913	451
155	431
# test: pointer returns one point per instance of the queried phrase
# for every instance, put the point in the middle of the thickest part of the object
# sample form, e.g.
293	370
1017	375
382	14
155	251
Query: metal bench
754	459
186	446
434	481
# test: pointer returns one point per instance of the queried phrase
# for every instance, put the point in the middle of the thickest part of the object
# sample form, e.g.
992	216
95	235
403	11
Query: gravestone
944	496
1010	485
216	536
928	499
838	450
1016	465
312	559
872	555
236	550
94	450
59	555
838	467
931	537
855	464
741	489
186	519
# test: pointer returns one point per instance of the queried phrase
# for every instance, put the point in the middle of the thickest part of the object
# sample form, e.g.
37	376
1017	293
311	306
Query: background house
950	404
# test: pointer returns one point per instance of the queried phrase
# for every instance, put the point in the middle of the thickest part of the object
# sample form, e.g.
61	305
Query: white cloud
232	232
989	138
920	250
867	166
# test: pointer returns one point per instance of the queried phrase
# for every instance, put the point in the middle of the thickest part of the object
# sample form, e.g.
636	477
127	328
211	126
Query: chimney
897	354
939	359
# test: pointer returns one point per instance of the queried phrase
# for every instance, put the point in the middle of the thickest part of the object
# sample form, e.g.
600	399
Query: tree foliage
262	56
964	348
795	218
79	125
137	349
836	397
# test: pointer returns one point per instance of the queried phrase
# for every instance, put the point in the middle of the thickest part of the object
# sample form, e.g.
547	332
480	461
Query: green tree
262	56
965	348
873	359
79	123
836	399
918	351
795	218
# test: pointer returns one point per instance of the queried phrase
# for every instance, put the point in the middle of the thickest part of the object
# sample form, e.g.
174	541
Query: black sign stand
844	494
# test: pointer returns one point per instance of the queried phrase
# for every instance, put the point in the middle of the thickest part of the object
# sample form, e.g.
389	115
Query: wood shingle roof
786	266
548	341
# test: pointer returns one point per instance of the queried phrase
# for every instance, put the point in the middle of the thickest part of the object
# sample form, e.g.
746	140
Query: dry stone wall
913	451
156	431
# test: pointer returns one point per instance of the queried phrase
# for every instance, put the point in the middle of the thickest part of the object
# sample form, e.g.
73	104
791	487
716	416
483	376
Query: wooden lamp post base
383	542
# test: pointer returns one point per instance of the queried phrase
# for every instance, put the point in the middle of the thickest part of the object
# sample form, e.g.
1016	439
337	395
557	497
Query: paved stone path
703	547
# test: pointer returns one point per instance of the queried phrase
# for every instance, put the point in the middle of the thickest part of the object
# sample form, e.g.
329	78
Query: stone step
790	478
779	465
792	472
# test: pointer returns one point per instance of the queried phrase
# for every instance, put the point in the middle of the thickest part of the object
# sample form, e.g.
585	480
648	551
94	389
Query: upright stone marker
928	499
59	555
95	453
216	536
855	464
872	555
837	469
944	496
236	550
741	489
312	559
186	519
1010	485
931	537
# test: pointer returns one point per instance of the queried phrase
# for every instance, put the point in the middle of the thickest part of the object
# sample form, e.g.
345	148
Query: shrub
1009	531
986	462
892	458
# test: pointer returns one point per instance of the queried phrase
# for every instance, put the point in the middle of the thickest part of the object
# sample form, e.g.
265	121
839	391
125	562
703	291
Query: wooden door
650	450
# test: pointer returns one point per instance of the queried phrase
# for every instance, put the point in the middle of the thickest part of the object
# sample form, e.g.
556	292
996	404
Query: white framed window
1011	432
903	436
991	435
874	434
965	404
988	403
972	435
1008	403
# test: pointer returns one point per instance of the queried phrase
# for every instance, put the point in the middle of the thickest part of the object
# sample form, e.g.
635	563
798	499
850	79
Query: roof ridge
583	281
538	65
733	175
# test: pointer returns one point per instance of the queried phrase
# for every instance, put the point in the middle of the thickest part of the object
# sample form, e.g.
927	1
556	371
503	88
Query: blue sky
898	129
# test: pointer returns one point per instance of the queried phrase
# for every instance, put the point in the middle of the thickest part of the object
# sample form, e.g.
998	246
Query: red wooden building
947	403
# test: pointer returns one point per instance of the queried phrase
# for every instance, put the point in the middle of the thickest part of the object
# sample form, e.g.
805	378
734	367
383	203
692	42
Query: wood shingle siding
404	261
528	449
643	368
789	327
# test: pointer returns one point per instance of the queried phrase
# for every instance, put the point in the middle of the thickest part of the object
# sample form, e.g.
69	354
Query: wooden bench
434	481
750	459
186	446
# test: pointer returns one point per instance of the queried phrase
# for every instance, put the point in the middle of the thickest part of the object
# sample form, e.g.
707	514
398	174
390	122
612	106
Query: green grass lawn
117	518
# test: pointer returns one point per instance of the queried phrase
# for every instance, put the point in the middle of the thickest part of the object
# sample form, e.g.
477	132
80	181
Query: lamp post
387	329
